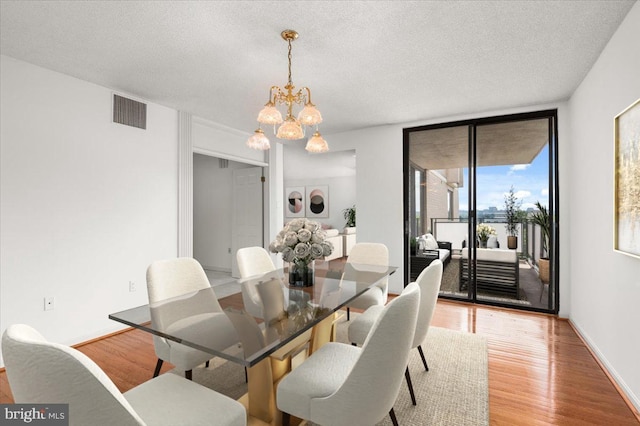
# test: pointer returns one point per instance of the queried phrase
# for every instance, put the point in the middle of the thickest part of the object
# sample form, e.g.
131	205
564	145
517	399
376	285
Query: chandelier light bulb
317	144
258	141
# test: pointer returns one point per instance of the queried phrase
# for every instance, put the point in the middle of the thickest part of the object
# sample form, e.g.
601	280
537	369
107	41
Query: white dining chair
42	372
429	282
253	261
369	254
167	279
344	384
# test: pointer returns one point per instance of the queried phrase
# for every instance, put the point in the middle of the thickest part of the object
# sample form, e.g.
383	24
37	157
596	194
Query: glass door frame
472	124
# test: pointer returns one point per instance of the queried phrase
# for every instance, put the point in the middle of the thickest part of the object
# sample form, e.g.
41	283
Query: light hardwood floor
540	371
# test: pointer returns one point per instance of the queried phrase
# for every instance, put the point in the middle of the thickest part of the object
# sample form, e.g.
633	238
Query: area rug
455	390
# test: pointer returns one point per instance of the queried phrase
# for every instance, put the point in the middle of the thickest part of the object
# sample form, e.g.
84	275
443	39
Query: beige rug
455	390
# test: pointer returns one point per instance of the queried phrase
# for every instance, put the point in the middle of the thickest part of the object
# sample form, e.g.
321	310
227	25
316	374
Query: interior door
247	219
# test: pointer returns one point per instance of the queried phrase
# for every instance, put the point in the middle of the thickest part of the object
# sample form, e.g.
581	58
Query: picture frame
627	181
294	201
317	205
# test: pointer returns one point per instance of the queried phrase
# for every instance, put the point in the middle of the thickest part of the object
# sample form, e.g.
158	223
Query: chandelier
291	127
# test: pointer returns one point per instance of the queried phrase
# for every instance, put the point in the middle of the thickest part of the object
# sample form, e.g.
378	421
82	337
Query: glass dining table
296	322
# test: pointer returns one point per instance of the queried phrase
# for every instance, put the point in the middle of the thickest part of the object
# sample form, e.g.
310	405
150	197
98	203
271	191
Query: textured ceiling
500	144
368	63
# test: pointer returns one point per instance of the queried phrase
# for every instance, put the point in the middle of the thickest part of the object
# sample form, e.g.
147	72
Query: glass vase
301	274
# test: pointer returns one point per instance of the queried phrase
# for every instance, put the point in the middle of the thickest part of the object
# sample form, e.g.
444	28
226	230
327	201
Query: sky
530	184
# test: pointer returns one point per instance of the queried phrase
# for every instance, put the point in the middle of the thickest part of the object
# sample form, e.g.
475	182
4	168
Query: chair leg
392	414
424	361
408	377
206	364
158	367
286	417
348	314
189	374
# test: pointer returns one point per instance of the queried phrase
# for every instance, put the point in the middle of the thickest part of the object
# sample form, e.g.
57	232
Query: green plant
512	212
413	245
350	215
541	218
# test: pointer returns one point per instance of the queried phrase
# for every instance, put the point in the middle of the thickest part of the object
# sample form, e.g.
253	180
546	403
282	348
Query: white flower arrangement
484	231
301	241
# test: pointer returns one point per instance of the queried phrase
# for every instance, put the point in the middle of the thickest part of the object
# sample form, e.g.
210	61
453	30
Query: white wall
605	284
212	210
86	204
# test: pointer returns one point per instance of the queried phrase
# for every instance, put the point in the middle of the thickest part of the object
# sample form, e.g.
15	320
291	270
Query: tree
513	213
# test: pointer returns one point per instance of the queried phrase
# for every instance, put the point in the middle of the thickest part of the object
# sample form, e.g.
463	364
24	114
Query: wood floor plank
540	371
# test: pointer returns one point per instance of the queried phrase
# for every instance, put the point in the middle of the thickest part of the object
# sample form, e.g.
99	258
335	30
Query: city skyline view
530	184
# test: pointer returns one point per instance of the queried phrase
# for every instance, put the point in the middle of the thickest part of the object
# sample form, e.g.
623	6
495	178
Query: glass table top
197	320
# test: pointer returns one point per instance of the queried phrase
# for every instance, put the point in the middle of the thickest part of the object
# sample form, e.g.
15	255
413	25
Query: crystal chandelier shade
258	141
317	144
291	127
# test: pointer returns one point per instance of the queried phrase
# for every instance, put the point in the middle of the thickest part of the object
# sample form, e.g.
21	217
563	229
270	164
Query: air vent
129	112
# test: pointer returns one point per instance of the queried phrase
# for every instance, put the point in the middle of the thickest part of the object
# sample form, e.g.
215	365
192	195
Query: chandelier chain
289	56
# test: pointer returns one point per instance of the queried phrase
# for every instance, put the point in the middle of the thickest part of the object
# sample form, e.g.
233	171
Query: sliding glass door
480	196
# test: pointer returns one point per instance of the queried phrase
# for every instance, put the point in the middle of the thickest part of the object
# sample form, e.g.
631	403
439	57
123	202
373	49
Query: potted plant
413	244
514	216
484	231
350	215
541	218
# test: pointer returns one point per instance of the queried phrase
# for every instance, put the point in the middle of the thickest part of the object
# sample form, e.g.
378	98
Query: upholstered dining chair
253	261
344	384
43	372
429	282
171	278
369	254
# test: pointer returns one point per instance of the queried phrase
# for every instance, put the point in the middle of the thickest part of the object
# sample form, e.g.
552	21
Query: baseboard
625	392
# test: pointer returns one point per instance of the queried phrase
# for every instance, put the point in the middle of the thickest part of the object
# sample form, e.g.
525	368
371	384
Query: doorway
476	196
227	213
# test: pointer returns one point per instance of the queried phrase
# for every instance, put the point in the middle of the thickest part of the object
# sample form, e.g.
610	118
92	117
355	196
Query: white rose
291	239
304	235
301	250
312	226
296	225
327	248
287	254
317	251
318	237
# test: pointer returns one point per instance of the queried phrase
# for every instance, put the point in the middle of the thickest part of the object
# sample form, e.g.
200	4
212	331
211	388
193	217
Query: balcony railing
455	231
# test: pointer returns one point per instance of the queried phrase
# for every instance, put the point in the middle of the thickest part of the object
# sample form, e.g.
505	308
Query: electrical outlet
132	286
49	303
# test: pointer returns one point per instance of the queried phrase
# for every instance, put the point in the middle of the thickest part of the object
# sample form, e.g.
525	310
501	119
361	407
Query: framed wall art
627	181
294	201
317	201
